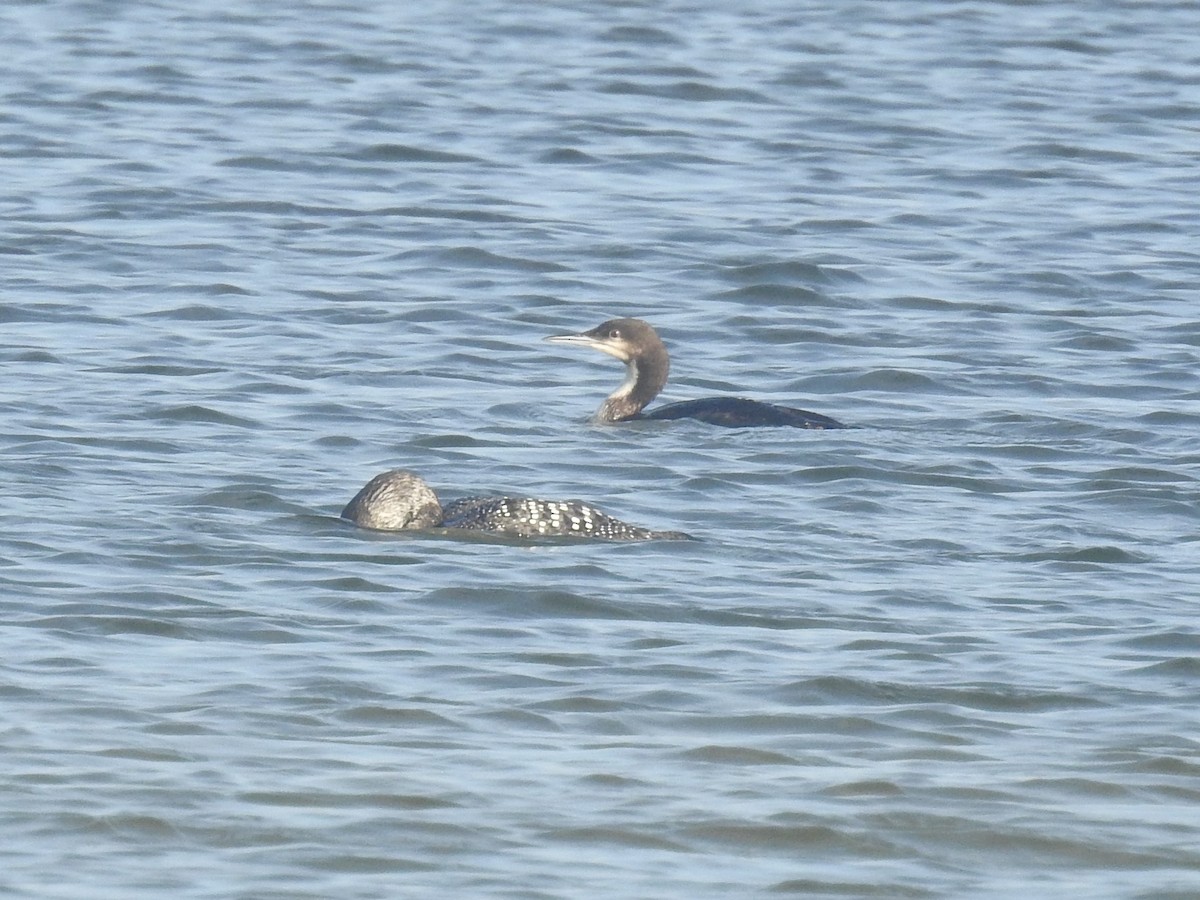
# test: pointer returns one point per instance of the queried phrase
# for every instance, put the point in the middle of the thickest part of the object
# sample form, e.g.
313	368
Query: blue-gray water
253	256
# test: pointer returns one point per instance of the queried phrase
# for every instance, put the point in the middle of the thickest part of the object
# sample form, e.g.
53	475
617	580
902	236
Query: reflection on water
253	257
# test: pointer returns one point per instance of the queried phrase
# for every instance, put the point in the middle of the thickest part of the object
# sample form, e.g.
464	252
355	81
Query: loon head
394	501
646	360
625	339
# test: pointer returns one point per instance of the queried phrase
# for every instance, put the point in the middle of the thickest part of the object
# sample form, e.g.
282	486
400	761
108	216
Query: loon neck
645	374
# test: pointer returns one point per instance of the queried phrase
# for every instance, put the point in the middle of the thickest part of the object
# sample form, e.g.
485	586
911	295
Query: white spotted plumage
528	517
399	500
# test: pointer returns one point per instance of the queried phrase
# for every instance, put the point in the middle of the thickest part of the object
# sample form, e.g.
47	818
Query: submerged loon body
399	500
647	364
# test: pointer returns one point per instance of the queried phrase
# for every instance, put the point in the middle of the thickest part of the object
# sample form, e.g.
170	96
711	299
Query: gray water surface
253	256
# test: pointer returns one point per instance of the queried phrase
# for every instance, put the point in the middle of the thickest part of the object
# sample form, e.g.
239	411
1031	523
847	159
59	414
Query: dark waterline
253	256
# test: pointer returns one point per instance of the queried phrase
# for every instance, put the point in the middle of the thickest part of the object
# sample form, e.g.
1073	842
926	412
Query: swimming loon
399	500
646	360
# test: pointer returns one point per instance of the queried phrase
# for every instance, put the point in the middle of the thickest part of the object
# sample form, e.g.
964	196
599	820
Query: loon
400	500
638	345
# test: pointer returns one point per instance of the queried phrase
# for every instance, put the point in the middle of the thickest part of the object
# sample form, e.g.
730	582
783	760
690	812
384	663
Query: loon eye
615	333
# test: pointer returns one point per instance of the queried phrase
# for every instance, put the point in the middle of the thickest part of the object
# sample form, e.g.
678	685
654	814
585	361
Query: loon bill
399	500
647	363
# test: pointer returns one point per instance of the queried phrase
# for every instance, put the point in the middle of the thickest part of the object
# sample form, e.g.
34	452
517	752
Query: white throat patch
631	377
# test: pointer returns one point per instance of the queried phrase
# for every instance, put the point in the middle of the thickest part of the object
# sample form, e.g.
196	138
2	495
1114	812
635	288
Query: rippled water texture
255	254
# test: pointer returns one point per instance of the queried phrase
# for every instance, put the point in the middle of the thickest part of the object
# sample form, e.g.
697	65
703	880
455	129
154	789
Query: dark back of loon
399	500
647	365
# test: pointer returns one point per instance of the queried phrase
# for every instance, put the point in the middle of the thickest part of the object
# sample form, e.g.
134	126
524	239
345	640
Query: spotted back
528	517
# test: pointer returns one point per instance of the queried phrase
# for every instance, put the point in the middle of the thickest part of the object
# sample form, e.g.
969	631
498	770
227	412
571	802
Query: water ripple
253	257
